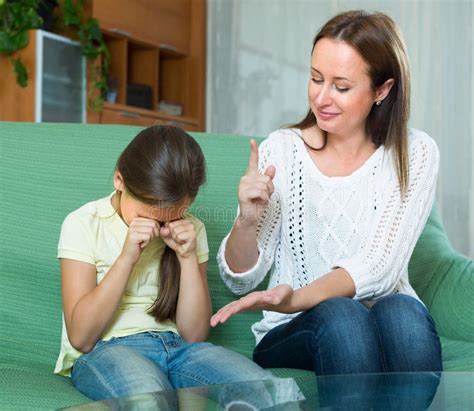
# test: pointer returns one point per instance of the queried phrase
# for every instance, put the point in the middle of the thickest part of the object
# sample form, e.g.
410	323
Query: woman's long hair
162	166
377	38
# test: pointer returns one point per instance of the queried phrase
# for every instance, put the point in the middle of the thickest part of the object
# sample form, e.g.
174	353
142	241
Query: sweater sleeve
268	229
386	251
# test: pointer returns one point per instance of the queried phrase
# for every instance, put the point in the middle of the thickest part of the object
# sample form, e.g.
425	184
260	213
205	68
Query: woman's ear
383	90
118	181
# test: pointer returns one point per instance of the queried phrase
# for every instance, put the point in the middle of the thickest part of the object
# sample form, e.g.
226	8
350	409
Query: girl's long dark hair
162	166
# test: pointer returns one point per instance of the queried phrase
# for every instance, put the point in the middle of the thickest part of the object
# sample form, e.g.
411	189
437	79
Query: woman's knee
345	338
116	371
408	334
401	313
341	318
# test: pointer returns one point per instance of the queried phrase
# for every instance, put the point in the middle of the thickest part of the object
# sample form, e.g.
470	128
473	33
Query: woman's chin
323	126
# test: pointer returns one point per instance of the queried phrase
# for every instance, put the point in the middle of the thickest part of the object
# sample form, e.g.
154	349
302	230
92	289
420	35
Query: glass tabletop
394	391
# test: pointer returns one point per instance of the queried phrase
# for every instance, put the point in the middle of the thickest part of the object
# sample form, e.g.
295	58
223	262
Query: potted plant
16	18
86	30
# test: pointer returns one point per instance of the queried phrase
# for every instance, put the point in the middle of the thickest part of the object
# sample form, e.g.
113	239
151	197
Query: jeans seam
194	377
98	376
165	347
316	348
382	353
282	341
279	342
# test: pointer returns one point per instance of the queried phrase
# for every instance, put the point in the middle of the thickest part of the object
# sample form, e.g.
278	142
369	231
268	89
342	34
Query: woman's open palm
274	299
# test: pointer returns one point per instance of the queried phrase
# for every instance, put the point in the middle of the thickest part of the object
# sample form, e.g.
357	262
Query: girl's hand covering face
180	236
141	232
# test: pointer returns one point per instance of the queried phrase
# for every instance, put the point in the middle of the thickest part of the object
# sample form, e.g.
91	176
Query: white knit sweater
315	223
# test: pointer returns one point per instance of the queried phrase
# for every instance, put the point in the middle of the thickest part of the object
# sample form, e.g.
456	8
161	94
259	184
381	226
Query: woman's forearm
336	283
241	252
284	299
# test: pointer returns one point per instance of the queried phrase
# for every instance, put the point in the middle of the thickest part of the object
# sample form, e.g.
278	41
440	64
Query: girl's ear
383	90
118	181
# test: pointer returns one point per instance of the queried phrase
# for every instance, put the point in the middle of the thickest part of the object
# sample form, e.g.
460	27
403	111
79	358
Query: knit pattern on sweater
315	223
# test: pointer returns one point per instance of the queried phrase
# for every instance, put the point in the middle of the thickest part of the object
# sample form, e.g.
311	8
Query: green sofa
47	170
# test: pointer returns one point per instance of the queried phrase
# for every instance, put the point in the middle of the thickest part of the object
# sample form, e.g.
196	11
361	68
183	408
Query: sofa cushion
48	170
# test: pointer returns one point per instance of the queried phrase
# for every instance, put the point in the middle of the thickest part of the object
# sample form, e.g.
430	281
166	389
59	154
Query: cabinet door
126	117
62	80
158	22
126	17
170	23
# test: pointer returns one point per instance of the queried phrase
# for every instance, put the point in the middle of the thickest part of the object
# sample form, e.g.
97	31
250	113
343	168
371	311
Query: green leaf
89	51
92	27
71	13
10	42
21	73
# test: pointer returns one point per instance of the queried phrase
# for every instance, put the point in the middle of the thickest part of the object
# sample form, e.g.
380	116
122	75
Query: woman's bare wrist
245	223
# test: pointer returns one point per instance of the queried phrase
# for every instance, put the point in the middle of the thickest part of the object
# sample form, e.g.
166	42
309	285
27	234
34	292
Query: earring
378	102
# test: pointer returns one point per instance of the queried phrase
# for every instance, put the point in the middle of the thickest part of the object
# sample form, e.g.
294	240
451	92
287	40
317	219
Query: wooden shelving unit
157	43
160	44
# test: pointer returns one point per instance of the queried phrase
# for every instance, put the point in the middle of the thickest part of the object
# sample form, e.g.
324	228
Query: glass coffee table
397	391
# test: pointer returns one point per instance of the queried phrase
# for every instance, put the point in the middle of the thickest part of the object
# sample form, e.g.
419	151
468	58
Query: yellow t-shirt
95	234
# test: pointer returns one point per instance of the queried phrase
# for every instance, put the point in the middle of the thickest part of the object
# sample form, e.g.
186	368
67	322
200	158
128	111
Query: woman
334	206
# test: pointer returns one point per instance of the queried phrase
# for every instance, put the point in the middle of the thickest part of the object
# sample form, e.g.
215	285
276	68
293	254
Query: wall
258	66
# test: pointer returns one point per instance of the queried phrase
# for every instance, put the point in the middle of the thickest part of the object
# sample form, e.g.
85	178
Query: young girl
134	267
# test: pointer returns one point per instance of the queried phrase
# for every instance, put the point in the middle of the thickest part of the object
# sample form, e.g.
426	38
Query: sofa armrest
450	298
444	280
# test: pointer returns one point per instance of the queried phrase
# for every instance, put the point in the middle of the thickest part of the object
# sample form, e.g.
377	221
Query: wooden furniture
18	103
56	89
160	44
157	43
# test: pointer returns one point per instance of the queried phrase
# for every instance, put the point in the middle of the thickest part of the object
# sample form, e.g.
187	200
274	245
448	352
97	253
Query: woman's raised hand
140	233
255	189
274	299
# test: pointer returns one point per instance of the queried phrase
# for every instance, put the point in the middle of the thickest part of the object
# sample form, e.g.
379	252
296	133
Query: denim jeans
343	336
156	361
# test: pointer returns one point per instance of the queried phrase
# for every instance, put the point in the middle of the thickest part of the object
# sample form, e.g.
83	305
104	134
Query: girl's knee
116	371
216	364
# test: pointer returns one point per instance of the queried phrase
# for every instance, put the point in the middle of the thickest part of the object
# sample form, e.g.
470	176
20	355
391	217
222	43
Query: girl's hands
180	236
141	232
255	189
274	299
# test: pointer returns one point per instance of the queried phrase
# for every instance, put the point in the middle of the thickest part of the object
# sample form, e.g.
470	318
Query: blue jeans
154	361
343	336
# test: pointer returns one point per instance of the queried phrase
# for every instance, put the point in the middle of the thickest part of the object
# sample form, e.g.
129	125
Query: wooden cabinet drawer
127	117
139	117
